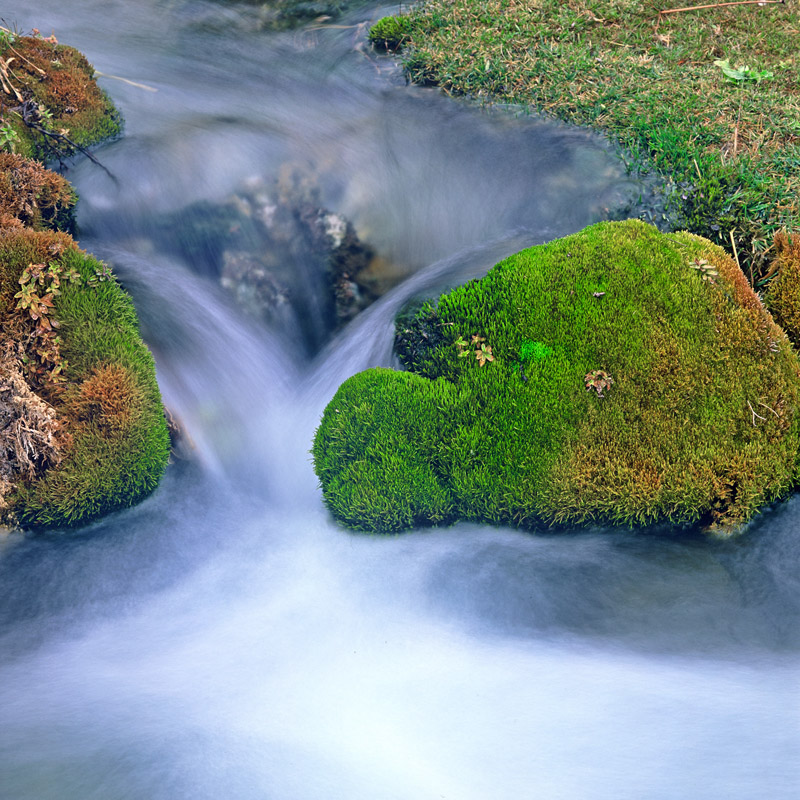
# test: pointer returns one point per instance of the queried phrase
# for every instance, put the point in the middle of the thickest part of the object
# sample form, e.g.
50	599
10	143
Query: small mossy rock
53	86
783	296
615	376
35	196
112	436
390	33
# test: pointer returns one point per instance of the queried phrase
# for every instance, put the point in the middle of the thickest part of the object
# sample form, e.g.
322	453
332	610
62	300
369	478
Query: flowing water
225	639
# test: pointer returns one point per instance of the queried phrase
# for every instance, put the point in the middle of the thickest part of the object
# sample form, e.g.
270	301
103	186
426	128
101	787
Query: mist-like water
225	638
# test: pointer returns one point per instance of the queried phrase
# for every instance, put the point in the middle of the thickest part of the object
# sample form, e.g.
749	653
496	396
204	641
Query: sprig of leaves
484	354
742	73
599	380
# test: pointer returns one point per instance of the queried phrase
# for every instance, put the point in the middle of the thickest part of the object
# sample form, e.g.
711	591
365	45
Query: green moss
390	33
116	445
700	424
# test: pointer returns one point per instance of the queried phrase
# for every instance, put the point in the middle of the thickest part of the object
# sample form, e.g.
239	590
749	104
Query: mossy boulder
51	101
615	376
84	429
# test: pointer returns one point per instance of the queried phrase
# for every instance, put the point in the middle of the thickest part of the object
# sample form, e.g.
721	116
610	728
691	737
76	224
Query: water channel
225	639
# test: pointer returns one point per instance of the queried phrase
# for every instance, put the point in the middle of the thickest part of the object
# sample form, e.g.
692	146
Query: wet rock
280	253
253	286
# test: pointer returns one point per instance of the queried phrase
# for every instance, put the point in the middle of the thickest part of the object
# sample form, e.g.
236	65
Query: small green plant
463	347
484	354
599	380
7	38
39	284
9	138
101	274
742	73
483	351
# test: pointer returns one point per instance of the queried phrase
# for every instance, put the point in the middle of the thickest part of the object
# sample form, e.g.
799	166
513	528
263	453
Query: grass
115	443
730	149
698	423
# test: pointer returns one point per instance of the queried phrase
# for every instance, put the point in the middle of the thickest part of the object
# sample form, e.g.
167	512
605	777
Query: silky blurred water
225	638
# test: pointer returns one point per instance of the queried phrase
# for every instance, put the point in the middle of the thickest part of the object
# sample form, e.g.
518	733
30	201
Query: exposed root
29	431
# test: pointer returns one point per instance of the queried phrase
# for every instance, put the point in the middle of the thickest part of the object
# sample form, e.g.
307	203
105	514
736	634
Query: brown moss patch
783	297
109	399
59	82
37	197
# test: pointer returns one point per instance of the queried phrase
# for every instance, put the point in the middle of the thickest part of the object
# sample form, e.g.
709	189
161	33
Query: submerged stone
281	254
615	376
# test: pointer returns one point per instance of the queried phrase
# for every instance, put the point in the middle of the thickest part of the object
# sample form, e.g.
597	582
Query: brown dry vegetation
50	98
35	196
783	297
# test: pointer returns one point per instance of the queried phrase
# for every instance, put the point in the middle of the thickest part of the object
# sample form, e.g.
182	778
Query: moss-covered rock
70	332
82	428
618	375
51	101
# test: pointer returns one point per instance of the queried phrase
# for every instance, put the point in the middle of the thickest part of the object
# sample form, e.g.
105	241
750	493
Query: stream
225	638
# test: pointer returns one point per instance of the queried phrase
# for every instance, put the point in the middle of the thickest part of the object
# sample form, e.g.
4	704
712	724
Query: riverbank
709	98
82	427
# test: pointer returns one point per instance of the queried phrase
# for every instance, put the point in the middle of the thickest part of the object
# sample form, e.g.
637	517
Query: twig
697	167
125	80
770	409
60	137
723	5
27	60
754	414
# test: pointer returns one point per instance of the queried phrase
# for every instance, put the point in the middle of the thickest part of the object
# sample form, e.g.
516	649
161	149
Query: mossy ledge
82	427
52	105
615	376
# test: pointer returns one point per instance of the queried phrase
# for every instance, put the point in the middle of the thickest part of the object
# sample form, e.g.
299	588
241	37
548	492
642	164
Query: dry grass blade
724	5
5	79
